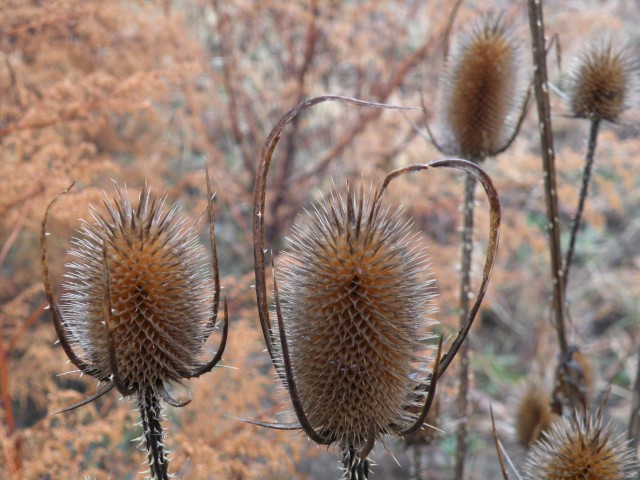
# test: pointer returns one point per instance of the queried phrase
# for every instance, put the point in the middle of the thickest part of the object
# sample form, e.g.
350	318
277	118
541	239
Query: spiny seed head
533	414
481	93
355	296
574	376
579	448
604	83
157	281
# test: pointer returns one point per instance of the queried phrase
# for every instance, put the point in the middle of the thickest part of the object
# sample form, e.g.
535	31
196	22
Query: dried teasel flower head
158	289
581	447
604	83
355	295
482	92
137	307
533	414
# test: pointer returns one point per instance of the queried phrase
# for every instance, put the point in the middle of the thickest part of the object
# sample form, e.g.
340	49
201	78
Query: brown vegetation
135	91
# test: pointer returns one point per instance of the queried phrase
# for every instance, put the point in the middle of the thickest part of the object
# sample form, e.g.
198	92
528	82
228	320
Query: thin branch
584	191
465	291
540	84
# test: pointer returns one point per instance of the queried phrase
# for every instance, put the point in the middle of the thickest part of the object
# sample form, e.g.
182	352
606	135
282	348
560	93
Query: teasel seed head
482	91
604	83
581	447
533	414
157	288
356	294
573	380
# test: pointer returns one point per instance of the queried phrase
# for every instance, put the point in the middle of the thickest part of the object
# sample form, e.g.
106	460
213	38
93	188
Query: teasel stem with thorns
481	95
541	89
353	305
603	85
137	313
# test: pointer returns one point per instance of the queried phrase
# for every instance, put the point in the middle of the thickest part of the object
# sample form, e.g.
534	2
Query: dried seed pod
482	92
355	295
573	381
604	83
137	306
581	447
533	414
359	320
158	285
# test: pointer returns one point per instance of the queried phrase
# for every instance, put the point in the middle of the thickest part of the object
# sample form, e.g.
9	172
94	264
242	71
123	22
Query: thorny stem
540	84
415	466
150	415
355	468
465	292
584	190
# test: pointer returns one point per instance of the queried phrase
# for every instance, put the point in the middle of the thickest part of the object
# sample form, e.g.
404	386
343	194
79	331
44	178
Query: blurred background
123	91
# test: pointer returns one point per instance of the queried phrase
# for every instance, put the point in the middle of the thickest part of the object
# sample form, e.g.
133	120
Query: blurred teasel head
604	83
482	92
137	311
580	447
356	297
533	414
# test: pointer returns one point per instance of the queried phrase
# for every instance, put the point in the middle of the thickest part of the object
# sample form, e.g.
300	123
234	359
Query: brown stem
465	291
540	84
634	419
7	406
584	190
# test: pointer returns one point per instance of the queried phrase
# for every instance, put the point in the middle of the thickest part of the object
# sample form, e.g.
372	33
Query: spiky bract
157	283
355	296
481	91
580	448
604	83
533	414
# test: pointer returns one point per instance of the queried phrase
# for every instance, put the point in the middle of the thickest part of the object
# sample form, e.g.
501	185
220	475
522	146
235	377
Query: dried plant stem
415	466
584	190
355	468
465	292
12	439
541	89
150	414
634	420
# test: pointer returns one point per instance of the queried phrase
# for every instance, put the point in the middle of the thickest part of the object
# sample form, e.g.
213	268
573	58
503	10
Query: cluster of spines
481	93
604	83
580	447
355	298
157	283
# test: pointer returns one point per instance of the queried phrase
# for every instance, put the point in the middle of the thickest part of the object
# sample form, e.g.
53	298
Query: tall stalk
541	89
465	291
584	190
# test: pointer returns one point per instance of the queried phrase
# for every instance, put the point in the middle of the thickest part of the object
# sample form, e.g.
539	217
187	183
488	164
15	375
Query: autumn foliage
133	91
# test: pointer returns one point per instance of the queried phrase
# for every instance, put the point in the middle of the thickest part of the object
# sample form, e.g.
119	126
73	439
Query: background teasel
604	82
354	302
137	308
482	98
581	446
481	106
533	415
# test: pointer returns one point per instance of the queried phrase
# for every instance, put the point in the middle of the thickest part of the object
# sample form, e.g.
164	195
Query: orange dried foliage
131	90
